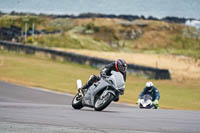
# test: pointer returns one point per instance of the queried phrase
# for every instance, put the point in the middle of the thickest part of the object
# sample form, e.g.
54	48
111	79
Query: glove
155	102
138	101
103	74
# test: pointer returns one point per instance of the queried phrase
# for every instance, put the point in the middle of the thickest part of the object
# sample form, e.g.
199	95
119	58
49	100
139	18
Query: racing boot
92	79
84	88
116	99
156	106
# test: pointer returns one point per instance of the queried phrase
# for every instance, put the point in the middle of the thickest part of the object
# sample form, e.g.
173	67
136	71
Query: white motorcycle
146	102
101	93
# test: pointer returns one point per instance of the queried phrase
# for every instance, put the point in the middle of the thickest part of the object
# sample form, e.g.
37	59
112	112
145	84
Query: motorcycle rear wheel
77	102
102	103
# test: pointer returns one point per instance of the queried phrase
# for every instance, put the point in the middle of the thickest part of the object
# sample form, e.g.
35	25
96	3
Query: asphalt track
32	110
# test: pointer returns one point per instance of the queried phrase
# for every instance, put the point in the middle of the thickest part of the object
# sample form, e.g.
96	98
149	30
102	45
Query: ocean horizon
155	8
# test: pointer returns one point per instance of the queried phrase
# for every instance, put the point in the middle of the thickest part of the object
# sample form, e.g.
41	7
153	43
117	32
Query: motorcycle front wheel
103	101
77	102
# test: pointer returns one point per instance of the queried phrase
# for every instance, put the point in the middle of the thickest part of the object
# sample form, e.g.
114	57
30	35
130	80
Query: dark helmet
121	65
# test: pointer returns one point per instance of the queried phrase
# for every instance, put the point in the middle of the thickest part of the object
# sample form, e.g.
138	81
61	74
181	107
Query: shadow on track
92	110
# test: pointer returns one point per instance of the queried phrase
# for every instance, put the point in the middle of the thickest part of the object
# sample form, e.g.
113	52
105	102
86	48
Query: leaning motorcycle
101	93
146	102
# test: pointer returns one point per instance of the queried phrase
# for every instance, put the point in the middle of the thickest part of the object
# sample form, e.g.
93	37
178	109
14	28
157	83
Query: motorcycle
146	102
101	93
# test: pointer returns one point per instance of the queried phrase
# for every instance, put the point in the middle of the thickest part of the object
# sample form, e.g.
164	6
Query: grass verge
61	76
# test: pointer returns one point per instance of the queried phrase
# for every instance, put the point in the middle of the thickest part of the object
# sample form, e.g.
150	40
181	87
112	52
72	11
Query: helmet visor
123	68
149	89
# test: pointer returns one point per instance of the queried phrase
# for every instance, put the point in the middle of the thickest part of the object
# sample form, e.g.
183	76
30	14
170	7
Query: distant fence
150	72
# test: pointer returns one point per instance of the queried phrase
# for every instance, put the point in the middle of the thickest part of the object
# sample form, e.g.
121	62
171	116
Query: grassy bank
103	34
119	35
61	76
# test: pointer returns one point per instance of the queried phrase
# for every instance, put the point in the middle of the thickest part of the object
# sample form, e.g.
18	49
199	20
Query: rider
119	65
152	91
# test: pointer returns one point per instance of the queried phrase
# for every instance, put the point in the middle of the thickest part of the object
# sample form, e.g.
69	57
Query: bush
91	26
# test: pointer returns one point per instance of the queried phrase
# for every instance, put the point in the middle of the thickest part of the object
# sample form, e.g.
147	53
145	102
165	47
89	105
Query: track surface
24	110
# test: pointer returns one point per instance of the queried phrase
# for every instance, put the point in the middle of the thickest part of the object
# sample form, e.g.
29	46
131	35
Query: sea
155	8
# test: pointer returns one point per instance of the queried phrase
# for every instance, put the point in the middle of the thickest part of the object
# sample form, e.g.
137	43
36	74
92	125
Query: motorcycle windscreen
119	79
147	97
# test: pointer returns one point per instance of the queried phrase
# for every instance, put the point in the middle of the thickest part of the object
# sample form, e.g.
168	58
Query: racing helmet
149	85
121	65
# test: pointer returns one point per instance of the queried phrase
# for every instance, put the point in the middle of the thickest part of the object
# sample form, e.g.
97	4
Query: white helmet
149	84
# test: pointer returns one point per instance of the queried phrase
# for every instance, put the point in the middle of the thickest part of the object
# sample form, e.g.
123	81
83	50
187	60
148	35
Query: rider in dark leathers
119	65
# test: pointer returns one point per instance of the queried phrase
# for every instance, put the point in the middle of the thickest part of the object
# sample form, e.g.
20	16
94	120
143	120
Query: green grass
70	40
41	71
